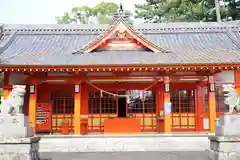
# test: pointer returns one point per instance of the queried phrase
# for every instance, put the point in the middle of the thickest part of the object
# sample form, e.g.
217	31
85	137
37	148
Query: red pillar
167	116
212	105
32	106
77	108
6	87
237	81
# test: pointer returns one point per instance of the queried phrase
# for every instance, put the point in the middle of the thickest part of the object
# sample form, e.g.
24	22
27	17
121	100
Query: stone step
124	143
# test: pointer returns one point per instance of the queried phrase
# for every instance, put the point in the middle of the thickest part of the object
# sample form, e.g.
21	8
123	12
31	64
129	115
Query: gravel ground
187	155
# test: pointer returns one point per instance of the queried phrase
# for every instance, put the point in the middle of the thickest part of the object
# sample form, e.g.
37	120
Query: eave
110	68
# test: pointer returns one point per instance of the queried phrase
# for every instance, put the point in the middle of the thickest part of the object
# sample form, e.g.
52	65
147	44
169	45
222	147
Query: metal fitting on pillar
166	84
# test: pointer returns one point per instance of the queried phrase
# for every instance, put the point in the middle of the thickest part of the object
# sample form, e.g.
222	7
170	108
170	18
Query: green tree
180	10
233	9
101	13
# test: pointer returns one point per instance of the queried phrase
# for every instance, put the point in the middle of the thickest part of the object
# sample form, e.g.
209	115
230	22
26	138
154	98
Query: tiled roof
188	43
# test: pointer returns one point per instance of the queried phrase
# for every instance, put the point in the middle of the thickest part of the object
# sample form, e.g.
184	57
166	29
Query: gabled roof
120	26
185	43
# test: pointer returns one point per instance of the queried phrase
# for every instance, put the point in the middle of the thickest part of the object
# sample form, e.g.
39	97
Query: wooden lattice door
101	106
141	104
183	109
62	110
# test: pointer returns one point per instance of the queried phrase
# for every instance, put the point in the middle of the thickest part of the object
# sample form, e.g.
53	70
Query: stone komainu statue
231	98
14	102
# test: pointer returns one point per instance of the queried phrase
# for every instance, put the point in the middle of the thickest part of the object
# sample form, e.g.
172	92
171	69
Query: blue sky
45	11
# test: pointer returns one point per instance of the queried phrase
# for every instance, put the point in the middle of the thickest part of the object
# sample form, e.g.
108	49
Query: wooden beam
186	73
77	73
121	77
188	78
126	78
95	78
119	73
39	74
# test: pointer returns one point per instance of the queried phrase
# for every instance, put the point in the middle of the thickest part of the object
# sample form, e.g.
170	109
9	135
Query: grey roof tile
199	43
196	48
188	25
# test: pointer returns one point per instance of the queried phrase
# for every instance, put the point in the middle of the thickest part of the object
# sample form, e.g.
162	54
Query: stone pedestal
16	138
15	126
225	145
19	148
228	125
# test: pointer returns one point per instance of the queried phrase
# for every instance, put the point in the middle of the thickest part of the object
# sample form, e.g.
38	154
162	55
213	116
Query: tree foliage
233	9
158	11
101	13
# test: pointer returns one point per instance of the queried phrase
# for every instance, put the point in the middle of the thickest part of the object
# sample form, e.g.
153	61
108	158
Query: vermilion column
167	114
200	107
212	105
77	108
33	106
237	81
6	86
6	90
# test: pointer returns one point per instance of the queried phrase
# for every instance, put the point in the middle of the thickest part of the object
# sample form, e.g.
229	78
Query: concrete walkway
187	155
122	143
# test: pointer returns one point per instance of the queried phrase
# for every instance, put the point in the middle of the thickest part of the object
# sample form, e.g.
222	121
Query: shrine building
121	78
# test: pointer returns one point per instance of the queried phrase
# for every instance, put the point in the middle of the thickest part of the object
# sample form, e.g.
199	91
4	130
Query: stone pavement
123	143
177	155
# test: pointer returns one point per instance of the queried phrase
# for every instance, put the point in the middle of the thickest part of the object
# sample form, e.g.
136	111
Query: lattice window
63	102
220	105
141	101
183	100
93	102
205	96
101	102
108	103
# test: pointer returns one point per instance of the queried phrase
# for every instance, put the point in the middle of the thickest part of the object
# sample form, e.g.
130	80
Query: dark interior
122	107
